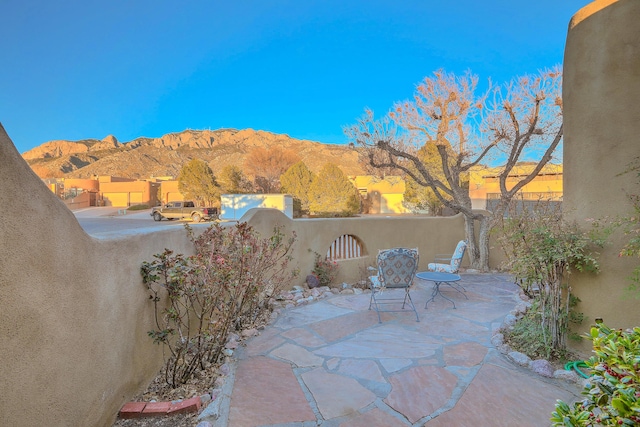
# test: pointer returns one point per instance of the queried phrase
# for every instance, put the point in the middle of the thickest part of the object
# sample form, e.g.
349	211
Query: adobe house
484	184
381	196
106	191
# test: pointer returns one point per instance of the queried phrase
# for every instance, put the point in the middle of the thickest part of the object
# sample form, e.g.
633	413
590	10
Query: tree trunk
483	243
470	237
478	250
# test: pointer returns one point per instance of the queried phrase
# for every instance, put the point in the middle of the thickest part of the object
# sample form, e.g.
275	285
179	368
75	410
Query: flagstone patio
331	363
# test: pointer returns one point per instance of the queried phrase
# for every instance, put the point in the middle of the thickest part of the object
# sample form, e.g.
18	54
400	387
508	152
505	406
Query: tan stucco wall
602	135
73	311
85	184
431	235
82	200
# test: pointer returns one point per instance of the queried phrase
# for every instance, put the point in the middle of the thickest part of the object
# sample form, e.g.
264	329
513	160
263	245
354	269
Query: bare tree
266	166
520	120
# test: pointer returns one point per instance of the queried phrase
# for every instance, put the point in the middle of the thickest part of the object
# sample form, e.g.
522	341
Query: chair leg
408	295
372	301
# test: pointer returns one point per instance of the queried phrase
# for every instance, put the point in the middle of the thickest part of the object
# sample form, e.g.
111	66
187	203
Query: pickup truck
181	210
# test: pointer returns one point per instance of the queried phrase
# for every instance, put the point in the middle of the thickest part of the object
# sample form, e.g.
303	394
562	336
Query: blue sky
85	69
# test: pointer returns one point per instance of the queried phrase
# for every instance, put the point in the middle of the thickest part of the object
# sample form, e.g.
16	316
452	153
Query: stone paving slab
504	397
267	392
337	395
418	392
332	364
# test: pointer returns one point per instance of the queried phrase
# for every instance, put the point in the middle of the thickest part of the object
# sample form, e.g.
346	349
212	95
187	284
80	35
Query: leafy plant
196	181
331	194
296	181
630	224
223	287
324	269
612	396
529	336
542	250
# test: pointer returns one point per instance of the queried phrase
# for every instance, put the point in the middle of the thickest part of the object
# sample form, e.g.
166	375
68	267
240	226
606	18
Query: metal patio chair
396	270
449	263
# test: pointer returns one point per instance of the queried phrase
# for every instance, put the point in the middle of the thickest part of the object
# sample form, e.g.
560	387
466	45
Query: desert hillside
164	156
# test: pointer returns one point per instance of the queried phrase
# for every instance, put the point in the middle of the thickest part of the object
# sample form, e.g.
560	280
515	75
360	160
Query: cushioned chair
449	263
396	270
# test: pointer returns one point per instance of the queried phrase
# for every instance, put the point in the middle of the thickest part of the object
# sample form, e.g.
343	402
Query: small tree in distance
232	181
419	197
197	182
266	166
522	119
332	194
296	181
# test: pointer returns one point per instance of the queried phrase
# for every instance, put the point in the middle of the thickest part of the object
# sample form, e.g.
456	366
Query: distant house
105	191
381	195
484	185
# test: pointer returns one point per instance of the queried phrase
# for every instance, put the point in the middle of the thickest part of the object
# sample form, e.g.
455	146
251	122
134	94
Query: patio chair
396	270
449	263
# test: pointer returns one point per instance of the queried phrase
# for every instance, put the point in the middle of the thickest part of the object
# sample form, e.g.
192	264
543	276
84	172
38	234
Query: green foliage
197	182
232	181
421	197
324	269
296	181
631	226
542	250
332	194
224	286
138	207
612	396
530	336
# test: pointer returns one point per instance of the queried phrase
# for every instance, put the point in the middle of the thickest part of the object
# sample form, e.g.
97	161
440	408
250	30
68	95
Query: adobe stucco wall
602	136
430	235
74	314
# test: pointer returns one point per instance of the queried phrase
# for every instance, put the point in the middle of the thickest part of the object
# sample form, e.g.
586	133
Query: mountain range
158	157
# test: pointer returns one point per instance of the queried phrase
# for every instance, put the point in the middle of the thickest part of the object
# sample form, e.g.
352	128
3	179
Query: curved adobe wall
430	235
602	124
73	310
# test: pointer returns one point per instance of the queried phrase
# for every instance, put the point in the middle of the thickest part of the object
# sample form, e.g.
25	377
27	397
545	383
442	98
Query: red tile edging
156	409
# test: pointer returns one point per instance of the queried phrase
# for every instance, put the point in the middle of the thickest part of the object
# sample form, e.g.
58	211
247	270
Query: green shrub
138	207
612	396
542	251
530	337
324	269
527	335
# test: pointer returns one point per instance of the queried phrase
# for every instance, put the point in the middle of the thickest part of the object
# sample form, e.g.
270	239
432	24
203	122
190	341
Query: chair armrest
443	257
375	282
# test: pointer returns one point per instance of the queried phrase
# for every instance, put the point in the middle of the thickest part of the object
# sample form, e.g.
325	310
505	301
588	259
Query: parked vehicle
181	210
